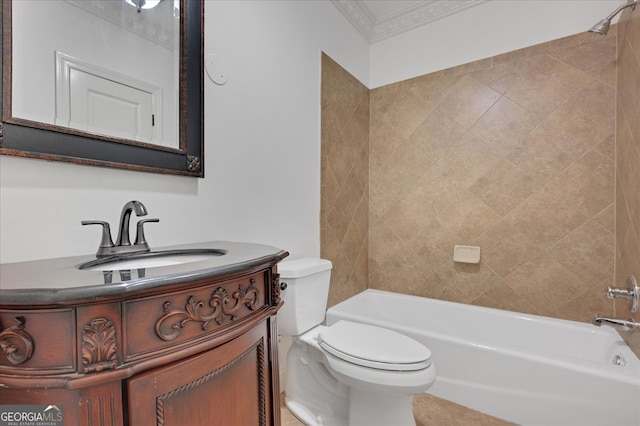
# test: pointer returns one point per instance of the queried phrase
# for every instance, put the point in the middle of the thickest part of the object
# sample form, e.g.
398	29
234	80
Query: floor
428	410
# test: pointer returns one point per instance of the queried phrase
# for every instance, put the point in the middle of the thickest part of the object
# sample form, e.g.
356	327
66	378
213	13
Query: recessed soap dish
466	254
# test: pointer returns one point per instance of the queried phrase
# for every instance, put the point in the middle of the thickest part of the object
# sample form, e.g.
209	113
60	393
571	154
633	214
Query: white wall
262	148
489	29
262	128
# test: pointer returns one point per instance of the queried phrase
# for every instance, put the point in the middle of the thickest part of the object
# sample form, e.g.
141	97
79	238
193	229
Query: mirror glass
98	66
103	82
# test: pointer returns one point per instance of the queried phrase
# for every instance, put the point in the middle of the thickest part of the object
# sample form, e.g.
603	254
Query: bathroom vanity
192	344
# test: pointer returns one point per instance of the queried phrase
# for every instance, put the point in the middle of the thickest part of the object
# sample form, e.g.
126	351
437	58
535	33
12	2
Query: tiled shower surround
344	207
514	153
628	162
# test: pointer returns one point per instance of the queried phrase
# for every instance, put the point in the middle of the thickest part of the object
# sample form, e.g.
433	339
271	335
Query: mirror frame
25	138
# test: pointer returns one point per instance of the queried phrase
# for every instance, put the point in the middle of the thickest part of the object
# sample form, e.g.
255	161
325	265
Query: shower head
602	27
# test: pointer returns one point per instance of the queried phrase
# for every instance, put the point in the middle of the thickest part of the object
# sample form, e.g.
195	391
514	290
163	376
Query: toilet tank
305	296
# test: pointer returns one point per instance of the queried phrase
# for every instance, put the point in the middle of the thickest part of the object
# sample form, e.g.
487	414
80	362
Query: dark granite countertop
58	281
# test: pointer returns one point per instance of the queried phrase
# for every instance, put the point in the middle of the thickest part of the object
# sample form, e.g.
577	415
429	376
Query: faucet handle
630	293
106	242
140	239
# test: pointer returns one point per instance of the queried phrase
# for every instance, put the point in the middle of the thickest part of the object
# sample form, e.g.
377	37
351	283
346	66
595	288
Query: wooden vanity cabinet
227	385
186	354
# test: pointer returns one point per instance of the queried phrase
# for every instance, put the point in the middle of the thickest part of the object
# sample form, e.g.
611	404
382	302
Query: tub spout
617	323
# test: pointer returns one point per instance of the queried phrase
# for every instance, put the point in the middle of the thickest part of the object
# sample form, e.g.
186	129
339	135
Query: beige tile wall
515	154
628	162
344	212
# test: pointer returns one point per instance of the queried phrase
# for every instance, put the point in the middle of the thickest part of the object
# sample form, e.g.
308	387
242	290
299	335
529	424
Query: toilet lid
374	347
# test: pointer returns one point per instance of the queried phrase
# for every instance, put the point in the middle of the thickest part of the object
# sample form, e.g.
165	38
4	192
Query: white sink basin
150	259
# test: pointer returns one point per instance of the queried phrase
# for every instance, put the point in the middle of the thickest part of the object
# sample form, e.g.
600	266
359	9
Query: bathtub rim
628	374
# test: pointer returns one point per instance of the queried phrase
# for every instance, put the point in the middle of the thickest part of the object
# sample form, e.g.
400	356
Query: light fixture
143	4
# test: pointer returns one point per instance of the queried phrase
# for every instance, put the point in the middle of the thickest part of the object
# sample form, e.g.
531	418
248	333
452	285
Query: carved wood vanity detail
188	353
15	343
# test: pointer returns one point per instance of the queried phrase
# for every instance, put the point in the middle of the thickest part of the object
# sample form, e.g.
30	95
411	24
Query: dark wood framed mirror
25	136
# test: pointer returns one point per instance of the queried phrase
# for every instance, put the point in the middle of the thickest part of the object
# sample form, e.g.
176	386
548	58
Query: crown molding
406	19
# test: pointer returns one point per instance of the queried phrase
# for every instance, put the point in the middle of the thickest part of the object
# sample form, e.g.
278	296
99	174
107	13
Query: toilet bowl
348	373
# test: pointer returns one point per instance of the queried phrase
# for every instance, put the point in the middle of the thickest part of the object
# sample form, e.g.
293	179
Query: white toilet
348	373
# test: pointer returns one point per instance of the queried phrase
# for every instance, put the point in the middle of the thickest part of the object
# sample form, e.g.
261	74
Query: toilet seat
374	347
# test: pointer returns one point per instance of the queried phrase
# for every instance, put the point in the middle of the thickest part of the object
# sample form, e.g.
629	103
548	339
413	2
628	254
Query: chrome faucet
617	323
123	243
125	218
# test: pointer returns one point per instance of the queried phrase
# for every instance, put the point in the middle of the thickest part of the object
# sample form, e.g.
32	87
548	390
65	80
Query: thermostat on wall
466	254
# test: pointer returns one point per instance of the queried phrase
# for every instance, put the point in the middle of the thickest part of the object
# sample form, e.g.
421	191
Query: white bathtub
526	369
